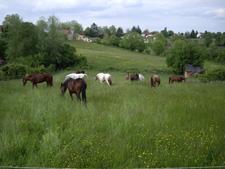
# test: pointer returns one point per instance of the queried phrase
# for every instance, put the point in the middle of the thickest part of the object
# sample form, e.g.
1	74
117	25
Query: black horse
76	86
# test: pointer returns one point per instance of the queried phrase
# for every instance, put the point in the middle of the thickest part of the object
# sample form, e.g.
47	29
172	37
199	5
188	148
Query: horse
127	76
75	76
104	77
137	77
141	77
155	79
134	77
76	86
177	79
39	78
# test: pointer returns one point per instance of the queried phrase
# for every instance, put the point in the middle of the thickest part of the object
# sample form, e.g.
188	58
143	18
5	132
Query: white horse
104	77
141	77
75	76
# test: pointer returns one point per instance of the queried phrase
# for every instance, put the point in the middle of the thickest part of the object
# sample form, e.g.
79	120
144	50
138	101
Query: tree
114	40
183	53
119	32
158	47
22	41
88	32
94	27
164	32
133	41
219	41
193	34
112	30
208	39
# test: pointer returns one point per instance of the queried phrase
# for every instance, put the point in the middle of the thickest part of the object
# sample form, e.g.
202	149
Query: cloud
216	13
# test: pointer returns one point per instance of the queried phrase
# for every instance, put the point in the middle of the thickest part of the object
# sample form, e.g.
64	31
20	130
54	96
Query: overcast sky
154	15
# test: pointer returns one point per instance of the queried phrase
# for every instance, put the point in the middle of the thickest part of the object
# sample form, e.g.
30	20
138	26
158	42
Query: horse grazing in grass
137	77
75	76
155	79
177	79
104	77
134	77
76	86
39	78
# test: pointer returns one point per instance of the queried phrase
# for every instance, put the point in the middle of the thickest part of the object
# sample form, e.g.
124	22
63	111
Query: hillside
112	58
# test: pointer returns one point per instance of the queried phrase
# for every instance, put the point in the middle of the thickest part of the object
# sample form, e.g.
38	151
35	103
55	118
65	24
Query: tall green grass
126	125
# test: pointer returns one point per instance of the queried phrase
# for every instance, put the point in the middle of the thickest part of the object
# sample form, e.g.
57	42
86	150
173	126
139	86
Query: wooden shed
191	70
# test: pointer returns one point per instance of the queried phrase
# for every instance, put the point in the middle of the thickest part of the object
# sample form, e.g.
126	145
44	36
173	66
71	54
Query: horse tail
83	90
152	83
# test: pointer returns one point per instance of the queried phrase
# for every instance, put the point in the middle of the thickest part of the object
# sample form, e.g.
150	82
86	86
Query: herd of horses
75	82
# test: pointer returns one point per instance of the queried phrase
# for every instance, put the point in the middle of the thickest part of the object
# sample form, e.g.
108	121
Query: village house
68	33
192	70
83	38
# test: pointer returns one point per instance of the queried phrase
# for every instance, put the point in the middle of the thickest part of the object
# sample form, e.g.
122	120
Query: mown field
126	125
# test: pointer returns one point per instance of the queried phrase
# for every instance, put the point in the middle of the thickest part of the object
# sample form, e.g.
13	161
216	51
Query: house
192	70
68	33
83	38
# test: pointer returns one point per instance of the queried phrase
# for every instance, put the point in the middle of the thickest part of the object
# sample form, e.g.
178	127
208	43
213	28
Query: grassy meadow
126	125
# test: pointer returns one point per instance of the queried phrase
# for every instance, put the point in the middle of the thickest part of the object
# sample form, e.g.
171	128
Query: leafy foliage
214	75
183	53
133	41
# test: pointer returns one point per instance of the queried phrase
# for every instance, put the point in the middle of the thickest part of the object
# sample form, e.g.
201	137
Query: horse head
24	81
63	88
96	77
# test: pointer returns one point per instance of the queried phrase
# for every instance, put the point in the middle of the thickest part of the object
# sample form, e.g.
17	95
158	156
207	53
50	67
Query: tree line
42	45
29	48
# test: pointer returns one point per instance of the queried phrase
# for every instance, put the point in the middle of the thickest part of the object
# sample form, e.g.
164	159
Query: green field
126	125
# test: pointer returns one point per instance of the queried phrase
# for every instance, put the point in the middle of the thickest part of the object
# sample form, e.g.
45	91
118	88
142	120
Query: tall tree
119	32
183	53
94	27
219	41
208	39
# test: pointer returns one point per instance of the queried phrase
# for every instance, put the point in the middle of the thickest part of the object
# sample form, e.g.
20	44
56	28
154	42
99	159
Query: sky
154	15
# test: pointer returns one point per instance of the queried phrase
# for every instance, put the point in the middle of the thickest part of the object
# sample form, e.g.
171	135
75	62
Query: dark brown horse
134	77
76	86
176	79
155	79
39	78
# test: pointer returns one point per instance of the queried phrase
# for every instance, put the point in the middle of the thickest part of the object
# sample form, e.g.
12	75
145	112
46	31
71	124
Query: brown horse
134	77
155	79
39	78
76	86
177	79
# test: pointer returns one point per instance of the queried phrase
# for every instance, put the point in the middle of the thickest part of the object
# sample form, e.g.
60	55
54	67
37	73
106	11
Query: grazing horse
141	77
127	76
137	77
38	78
76	86
134	77
104	77
155	79
75	76
177	79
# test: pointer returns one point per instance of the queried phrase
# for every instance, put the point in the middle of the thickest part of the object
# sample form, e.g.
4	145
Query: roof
190	68
66	31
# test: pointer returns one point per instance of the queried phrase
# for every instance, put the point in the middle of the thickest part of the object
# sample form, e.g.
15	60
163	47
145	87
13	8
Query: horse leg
71	95
78	96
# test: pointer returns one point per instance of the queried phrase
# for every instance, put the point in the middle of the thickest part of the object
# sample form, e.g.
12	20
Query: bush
13	70
215	75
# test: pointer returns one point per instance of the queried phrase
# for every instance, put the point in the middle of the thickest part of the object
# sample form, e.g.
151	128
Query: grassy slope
126	125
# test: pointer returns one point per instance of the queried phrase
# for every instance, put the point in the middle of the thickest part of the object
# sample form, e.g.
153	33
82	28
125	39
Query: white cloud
217	13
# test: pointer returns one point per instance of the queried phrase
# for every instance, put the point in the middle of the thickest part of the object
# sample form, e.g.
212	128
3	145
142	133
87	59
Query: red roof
66	31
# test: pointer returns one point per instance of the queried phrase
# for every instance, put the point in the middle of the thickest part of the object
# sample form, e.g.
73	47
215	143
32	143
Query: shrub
13	70
215	75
